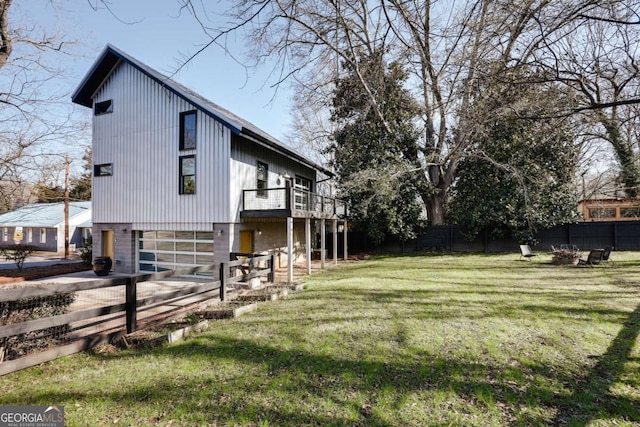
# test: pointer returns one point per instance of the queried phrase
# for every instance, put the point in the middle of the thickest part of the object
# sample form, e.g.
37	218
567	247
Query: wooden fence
623	235
91	325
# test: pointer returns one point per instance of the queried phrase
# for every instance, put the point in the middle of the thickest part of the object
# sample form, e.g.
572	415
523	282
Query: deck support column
345	240
289	249
307	240
323	242
334	231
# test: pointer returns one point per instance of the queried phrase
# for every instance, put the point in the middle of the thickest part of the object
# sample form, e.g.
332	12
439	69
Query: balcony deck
290	202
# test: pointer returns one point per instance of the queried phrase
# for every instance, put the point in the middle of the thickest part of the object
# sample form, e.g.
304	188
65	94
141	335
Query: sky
157	34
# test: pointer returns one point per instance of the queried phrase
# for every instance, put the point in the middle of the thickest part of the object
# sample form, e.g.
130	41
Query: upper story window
262	171
602	212
105	169
187	175
188	126
103	107
630	212
302	187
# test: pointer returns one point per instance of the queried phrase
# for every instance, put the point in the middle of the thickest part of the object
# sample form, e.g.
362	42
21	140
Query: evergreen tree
520	177
81	186
377	167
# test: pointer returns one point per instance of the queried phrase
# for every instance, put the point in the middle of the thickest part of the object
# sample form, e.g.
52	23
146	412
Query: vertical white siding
141	139
245	156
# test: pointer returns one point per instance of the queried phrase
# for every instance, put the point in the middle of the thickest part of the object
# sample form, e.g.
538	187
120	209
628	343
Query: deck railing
292	199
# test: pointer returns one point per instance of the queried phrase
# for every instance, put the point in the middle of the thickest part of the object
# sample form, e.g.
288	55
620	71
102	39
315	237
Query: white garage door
168	250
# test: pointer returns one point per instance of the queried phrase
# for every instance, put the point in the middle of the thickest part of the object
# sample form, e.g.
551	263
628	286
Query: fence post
130	303
224	269
271	278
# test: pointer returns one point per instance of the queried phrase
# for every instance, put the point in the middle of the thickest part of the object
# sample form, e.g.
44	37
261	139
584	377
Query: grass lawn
459	340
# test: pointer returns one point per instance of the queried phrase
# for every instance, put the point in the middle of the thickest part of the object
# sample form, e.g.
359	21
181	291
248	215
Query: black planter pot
102	265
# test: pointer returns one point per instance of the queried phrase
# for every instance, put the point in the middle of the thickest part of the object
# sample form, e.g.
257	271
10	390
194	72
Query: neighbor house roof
111	58
42	214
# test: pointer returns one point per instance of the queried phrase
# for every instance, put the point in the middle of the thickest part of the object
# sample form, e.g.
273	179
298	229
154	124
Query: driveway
36	261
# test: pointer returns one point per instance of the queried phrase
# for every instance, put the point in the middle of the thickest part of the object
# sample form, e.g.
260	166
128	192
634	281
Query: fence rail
125	310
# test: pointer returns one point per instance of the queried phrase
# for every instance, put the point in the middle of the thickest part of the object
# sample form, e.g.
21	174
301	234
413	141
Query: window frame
103	169
103	107
262	184
183	128
182	175
43	235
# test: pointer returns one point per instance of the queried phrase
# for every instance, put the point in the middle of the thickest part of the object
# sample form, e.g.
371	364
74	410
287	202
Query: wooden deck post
130	304
334	230
346	255
224	271
289	249
307	240
323	242
271	278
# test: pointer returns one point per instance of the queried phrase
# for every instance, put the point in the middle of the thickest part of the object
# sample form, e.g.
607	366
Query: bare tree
37	123
461	56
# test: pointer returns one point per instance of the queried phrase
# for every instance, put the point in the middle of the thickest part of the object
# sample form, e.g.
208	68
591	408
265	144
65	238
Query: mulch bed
33	273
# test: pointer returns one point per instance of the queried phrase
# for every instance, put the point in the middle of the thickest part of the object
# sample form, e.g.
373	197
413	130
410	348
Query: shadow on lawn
593	391
356	387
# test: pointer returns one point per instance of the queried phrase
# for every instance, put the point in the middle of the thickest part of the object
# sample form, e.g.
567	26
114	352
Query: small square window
105	169
187	175
103	107
188	129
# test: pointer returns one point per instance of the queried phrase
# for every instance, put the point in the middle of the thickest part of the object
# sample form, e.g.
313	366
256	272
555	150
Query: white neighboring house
179	181
43	226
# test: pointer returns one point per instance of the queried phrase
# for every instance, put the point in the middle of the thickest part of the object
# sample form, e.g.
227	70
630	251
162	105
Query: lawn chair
606	256
594	258
525	251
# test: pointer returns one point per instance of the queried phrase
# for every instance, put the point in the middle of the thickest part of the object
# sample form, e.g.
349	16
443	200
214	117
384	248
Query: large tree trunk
627	159
5	39
435	208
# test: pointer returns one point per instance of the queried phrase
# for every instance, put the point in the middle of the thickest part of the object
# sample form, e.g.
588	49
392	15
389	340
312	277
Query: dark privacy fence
623	235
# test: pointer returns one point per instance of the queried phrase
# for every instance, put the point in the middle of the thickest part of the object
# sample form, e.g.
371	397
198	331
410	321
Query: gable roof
42	214
111	57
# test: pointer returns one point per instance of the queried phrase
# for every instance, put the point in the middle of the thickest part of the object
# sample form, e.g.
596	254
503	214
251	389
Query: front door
107	244
246	241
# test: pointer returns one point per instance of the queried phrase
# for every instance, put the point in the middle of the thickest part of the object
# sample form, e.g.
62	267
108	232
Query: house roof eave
110	59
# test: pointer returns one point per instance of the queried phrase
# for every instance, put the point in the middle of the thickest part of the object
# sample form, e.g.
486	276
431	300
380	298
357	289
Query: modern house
43	225
610	209
179	181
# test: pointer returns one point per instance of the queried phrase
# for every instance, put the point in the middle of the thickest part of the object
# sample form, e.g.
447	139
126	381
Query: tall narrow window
302	187
262	171
43	235
29	235
187	174
188	130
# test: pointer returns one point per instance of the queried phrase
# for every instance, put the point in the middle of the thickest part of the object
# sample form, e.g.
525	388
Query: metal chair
606	256
594	258
525	251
